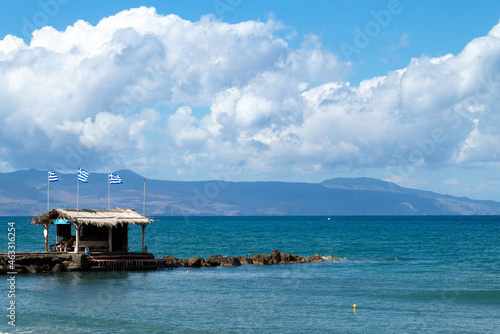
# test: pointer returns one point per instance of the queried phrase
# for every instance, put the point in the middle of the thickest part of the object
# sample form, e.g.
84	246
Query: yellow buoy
187	271
354	307
329	218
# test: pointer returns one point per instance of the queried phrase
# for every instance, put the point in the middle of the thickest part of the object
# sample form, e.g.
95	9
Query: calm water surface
406	274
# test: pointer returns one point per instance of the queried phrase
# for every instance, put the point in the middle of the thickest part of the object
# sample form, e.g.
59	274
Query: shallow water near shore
406	275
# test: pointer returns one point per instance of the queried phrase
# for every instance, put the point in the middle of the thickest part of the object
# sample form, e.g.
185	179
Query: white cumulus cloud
155	92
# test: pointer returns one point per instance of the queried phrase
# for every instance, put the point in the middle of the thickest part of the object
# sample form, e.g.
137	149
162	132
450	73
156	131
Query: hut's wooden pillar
110	238
77	241
143	238
46	235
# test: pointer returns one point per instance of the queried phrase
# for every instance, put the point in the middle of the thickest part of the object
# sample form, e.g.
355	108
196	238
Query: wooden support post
77	241
143	238
46	235
110	238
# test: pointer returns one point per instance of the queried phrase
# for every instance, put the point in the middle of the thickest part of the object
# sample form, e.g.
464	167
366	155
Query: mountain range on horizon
24	193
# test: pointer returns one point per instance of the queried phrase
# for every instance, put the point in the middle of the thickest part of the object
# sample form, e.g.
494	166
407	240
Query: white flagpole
77	195
144	205
109	200
48	190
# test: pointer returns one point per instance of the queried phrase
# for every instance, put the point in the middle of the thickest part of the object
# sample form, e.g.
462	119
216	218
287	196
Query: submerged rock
230	261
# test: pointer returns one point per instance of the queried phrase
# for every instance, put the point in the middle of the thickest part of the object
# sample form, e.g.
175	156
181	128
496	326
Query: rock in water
213	261
59	267
183	262
33	269
194	262
230	261
262	259
276	256
315	258
296	258
171	261
245	260
285	258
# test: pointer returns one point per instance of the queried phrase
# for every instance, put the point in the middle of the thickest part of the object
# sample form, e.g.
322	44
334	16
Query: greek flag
83	175
114	178
53	176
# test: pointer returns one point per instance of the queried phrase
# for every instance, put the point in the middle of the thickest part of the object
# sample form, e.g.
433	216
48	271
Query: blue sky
258	90
432	28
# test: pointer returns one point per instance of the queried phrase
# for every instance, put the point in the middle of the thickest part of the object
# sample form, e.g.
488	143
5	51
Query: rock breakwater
35	263
275	257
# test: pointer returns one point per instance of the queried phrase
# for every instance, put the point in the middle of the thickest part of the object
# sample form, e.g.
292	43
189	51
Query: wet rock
73	267
171	261
230	261
21	270
183	262
315	258
285	258
296	258
245	260
213	261
262	259
59	267
33	269
276	256
195	262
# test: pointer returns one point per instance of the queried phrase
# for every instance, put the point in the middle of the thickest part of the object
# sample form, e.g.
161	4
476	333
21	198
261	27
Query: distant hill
24	193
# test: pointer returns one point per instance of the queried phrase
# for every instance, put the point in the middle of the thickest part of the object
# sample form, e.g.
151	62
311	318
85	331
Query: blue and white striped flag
83	175
114	178
53	176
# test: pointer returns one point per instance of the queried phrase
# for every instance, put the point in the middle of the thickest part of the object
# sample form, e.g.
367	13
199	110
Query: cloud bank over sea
157	93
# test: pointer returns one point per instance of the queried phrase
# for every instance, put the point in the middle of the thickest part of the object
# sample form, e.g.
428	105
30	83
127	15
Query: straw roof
108	218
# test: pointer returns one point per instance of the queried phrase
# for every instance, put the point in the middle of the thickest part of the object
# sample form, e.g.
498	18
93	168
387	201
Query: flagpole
144	205
77	196
48	191
109	201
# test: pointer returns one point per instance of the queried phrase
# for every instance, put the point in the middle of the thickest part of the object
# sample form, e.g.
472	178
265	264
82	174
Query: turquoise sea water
406	275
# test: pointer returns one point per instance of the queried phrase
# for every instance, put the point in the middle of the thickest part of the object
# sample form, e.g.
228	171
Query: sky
401	90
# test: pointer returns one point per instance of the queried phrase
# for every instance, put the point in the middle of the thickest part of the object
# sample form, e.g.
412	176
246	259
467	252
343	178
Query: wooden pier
127	262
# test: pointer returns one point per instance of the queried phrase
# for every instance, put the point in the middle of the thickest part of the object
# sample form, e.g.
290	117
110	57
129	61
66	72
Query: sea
406	274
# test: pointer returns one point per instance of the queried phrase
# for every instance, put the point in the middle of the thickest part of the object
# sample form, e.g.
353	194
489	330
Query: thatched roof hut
108	218
105	229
